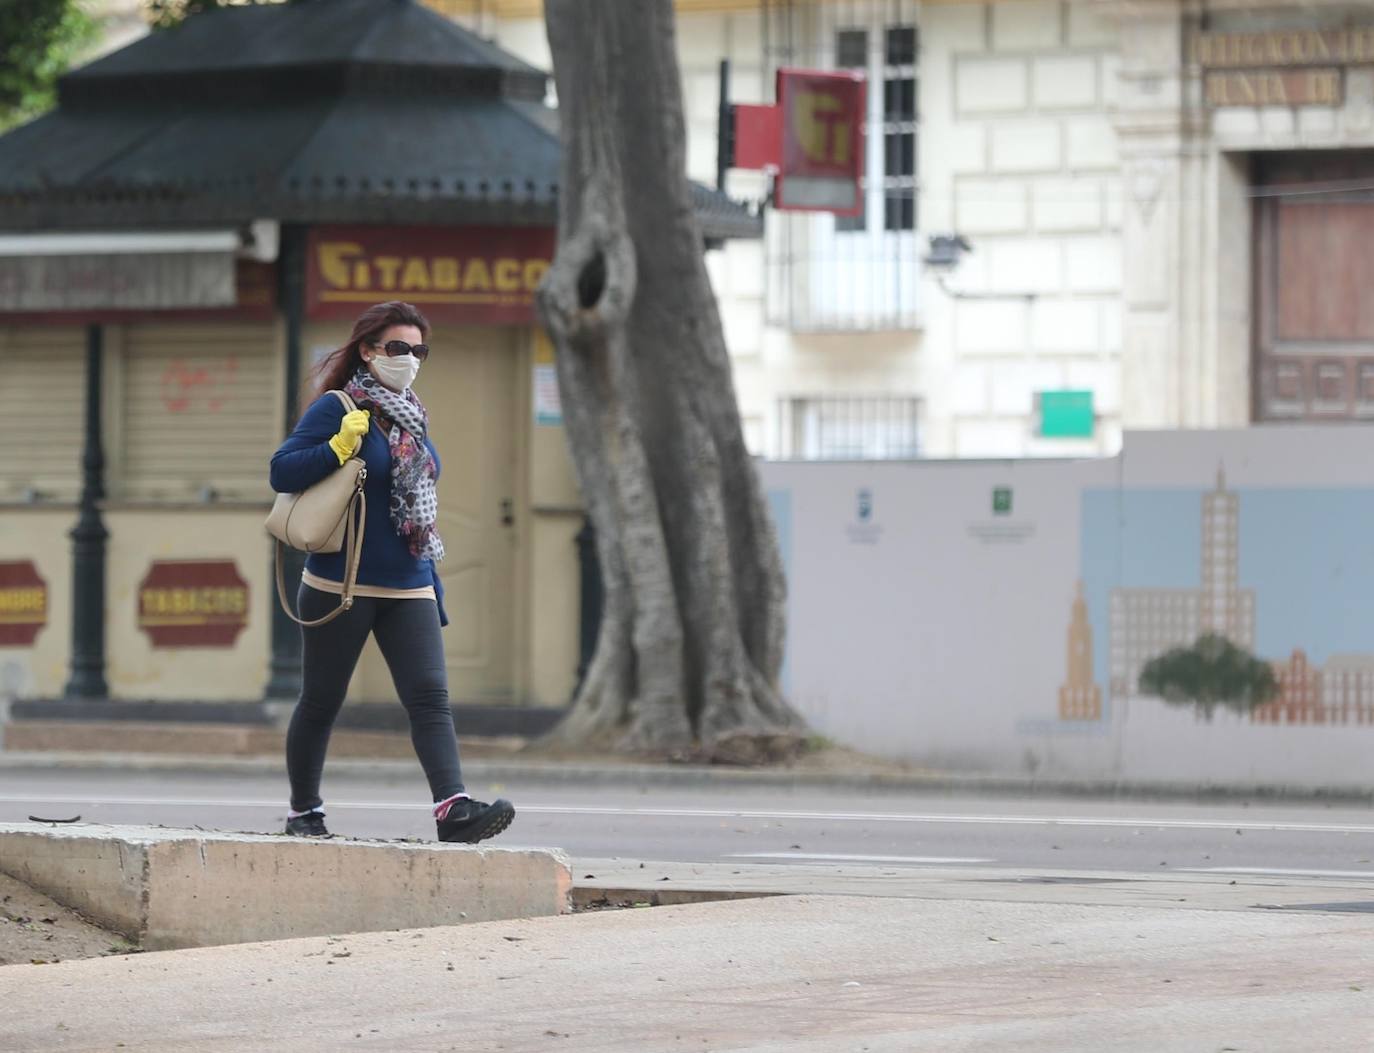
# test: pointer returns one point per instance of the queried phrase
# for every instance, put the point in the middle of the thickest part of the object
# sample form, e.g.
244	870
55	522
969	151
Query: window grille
849	428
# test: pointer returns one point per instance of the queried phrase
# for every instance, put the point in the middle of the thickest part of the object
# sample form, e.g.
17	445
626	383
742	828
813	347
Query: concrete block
1116	204
701	153
962	149
990	326
742	322
1317	123
1028	25
1100	376
1065	83
749	83
1061	205
701	40
953	27
987	206
991	85
745	32
1024	266
1012	390
1092	143
991	438
1093	265
1088	27
167	888
744	257
1359	100
1236	122
968	393
701	95
1066	326
1111	80
1027	147
1113	325
1277	122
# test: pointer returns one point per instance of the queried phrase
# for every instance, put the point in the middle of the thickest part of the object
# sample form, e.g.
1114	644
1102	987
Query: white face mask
396	373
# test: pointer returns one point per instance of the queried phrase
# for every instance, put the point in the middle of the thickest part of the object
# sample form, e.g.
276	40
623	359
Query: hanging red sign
193	603
822	141
455	275
23	603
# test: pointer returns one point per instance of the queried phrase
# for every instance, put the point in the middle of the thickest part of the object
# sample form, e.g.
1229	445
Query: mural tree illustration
1213	673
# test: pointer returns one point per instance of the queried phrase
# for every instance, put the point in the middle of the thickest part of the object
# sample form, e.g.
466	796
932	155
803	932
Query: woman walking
399	599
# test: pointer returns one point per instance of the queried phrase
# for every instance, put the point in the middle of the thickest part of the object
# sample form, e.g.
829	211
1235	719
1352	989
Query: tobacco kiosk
192	228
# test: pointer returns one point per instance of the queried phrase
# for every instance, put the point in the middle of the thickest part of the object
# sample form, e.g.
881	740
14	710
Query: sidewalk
799	973
500	763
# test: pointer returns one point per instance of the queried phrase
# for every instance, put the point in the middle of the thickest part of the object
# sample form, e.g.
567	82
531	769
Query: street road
757	825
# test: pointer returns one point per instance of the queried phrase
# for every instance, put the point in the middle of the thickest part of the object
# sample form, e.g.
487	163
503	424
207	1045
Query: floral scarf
414	503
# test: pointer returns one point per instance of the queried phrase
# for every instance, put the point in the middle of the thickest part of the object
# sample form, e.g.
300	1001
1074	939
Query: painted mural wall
997	616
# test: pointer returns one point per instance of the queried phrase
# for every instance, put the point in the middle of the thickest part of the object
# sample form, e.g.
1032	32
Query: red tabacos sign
193	603
455	275
23	603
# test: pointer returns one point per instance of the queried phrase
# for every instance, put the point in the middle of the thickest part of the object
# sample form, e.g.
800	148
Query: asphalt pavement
757	825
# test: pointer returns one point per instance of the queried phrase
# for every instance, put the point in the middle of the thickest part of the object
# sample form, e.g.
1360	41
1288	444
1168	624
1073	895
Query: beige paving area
811	973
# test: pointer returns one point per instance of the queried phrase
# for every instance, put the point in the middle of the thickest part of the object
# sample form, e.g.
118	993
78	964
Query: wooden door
1314	294
469	387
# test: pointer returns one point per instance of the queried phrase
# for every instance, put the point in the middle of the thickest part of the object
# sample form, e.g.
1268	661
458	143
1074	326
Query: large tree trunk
690	648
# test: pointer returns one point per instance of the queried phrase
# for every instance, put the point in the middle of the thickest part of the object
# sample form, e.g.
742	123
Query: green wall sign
1066	414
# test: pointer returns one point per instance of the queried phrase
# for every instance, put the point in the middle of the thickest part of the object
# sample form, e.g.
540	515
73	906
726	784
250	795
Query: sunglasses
393	348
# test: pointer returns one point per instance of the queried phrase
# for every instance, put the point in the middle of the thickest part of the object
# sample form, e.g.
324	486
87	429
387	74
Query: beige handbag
328	517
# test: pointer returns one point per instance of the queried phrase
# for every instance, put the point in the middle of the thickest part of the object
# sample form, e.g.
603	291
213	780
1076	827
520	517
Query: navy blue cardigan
306	457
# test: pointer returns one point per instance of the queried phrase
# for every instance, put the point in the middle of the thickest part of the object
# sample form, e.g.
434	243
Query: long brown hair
339	366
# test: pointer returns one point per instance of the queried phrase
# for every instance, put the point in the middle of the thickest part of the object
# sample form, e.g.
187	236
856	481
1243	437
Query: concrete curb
672	776
166	888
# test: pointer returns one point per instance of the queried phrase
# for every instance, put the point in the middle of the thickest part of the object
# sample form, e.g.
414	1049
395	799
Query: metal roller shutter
41	427
201	410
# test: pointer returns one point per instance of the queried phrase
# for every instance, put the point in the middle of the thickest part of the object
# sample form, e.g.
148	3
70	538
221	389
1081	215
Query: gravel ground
34	930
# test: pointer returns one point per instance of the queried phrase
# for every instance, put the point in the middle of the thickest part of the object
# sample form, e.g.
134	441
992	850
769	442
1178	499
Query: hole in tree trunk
591	283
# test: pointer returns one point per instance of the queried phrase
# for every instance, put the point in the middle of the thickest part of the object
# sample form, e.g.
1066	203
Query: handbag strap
355	526
346	399
354	529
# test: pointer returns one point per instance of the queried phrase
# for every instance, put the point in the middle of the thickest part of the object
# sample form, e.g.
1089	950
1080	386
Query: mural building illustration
1144	623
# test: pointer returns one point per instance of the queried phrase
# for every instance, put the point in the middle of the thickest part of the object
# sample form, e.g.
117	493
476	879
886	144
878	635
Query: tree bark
691	641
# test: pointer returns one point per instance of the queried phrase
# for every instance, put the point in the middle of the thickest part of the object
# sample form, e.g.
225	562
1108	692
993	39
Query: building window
851	52
849	428
893	170
899	128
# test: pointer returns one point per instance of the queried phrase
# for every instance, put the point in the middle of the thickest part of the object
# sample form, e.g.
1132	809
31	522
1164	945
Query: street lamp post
89	538
284	683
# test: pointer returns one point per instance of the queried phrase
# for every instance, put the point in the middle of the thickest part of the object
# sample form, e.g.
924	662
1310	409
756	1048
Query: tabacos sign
23	603
455	275
193	603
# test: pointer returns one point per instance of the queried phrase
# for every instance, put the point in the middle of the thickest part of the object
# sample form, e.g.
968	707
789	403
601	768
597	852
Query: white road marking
1277	872
840	857
731	813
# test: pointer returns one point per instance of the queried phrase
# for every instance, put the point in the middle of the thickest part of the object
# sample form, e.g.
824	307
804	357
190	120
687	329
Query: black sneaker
473	821
311	824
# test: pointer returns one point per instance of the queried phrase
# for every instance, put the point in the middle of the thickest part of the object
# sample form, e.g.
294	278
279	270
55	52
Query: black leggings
408	633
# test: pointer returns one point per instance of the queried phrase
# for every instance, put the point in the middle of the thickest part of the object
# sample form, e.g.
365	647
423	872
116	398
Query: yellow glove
351	431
